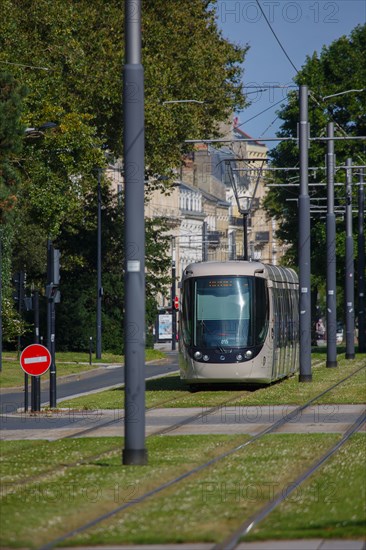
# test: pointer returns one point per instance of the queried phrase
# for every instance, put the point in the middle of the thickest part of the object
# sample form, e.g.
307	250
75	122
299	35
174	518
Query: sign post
35	360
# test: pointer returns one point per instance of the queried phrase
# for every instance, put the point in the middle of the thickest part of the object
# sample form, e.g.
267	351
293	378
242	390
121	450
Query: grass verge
205	507
171	391
331	504
67	363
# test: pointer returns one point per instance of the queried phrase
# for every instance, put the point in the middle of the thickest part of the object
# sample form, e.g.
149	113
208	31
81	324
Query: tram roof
271	272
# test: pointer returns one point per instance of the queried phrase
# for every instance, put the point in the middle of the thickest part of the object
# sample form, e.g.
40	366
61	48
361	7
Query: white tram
239	322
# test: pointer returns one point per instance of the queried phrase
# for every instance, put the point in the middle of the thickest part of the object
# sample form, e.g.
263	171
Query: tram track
59	469
231	541
252	521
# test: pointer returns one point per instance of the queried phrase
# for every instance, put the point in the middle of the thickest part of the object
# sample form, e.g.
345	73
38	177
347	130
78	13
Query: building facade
204	206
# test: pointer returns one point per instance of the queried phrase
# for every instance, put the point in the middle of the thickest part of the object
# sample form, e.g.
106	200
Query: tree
339	67
70	57
11	131
82	46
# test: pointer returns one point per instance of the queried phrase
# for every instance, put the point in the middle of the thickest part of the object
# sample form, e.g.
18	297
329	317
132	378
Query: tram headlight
239	357
206	358
197	355
248	354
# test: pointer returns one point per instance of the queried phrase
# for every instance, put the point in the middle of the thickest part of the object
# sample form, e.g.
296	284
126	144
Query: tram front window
224	312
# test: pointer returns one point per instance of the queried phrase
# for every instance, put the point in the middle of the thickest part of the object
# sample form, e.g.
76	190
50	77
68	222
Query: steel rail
232	540
195	470
11	487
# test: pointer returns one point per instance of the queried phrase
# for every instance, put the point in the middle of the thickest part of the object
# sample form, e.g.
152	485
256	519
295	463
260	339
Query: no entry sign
35	359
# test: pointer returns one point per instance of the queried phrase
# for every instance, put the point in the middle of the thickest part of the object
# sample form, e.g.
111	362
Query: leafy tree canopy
11	131
81	44
339	67
69	56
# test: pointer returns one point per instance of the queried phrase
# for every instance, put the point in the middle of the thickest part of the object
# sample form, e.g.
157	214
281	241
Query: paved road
108	376
103	423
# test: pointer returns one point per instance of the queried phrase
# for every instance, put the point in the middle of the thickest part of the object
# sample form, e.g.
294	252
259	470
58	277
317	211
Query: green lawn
331	504
170	391
202	507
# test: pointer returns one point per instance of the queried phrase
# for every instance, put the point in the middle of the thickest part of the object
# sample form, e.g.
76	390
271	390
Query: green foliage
11	130
70	56
13	325
339	67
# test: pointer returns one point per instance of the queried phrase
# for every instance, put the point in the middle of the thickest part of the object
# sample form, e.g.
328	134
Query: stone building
202	210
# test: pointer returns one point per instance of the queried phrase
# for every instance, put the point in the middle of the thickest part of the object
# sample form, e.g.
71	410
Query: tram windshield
228	312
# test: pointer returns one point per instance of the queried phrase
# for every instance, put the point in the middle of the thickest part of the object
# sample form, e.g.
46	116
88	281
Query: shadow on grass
174	383
168	383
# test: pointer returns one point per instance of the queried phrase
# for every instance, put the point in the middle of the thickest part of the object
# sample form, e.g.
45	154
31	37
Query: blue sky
302	26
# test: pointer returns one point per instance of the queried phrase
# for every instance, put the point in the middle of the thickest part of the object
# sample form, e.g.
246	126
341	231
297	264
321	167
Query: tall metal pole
349	279
1	301
304	242
245	236
361	267
331	256
204	242
134	245
174	313
36	380
51	322
98	350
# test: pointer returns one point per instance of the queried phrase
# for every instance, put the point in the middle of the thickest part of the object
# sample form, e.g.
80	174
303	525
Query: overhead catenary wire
311	94
276	37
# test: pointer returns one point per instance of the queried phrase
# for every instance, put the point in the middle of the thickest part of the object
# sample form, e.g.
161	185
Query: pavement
229	420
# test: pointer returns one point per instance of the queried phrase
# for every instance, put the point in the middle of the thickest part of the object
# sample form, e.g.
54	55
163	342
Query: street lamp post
173	295
134	452
361	267
204	242
331	256
304	243
98	350
1	300
349	279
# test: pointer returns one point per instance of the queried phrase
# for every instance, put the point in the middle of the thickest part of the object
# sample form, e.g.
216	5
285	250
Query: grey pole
98	350
51	321
173	292
1	301
361	267
134	452
304	243
36	380
204	242
331	256
349	282
245	236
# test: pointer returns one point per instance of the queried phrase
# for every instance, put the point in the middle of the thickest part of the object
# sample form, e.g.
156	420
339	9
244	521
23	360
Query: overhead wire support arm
264	138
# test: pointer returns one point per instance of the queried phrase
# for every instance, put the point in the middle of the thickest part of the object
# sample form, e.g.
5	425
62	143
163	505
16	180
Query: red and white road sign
35	359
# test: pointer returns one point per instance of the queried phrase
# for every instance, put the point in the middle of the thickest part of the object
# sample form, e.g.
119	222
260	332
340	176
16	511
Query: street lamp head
48	125
39	131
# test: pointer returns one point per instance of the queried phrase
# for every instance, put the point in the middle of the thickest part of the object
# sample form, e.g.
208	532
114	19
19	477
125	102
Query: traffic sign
35	359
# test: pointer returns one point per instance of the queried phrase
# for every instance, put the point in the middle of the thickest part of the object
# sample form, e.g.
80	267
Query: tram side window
260	311
186	313
276	304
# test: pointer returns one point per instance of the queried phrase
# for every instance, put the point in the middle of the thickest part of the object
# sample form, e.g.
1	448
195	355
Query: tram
239	322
